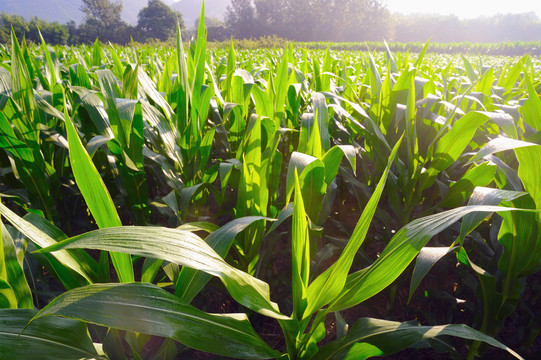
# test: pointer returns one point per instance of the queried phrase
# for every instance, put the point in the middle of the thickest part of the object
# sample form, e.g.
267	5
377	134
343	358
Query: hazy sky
465	9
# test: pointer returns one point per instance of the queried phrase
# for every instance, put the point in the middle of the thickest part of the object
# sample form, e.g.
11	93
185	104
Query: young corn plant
143	307
141	136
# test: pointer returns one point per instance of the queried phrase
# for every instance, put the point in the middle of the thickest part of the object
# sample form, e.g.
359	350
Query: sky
464	9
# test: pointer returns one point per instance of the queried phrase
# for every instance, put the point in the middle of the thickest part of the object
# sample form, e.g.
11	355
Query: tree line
102	20
369	20
298	20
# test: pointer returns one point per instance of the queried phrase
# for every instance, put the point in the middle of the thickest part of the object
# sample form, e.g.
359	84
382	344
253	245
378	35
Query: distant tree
270	16
53	33
300	20
240	18
103	20
105	12
324	20
4	35
19	25
363	20
74	36
449	28
513	27
422	27
157	21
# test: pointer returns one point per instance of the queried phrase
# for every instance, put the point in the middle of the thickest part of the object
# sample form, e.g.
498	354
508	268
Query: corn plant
138	184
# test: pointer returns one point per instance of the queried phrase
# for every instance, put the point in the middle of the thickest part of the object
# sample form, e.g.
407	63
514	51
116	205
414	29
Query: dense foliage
370	20
102	20
251	204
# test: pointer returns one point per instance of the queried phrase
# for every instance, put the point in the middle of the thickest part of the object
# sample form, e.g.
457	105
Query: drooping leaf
42	240
179	247
428	256
145	308
46	338
191	281
400	251
374	337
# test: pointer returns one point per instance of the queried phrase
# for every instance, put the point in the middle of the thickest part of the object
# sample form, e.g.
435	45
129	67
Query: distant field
516	48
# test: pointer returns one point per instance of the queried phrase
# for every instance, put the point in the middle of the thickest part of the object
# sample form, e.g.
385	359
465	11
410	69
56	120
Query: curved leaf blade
148	309
400	251
374	337
179	247
42	240
428	256
49	338
190	281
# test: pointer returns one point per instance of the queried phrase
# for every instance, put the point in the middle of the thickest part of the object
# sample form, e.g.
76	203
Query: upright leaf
97	197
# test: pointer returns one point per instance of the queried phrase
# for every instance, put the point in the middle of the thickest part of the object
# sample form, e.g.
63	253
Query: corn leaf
300	253
145	308
401	250
47	338
190	281
42	240
97	197
374	337
179	247
327	286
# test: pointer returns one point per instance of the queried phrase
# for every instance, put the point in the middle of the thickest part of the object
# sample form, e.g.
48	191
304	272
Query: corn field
163	203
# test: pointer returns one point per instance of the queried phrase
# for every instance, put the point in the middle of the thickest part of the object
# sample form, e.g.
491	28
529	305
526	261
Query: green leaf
8	299
145	308
453	143
42	240
484	196
529	172
400	251
499	144
53	67
92	103
298	161
519	235
183	80
374	337
49	338
459	191
333	157
532	106
300	253
29	164
96	53
89	265
96	196
179	247
278	92
12	271
469	69
312	182
428	256
327	286
190	281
